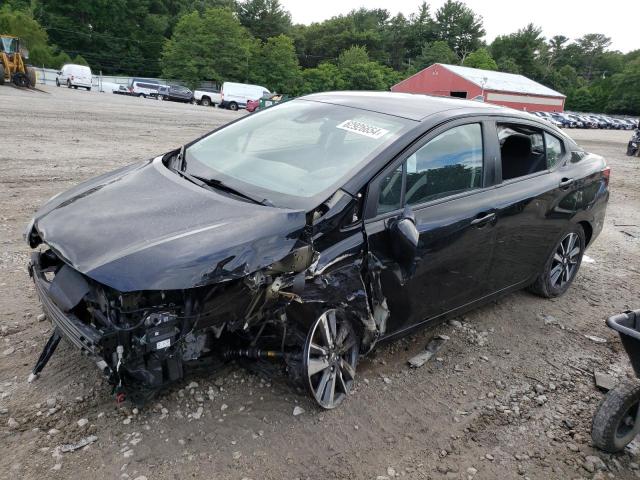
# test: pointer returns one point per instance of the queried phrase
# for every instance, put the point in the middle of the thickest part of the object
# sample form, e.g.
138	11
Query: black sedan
175	93
304	235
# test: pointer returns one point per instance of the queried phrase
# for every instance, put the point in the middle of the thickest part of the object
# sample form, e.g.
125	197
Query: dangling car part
305	234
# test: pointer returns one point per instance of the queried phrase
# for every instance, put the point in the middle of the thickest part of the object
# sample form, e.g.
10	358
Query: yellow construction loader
12	65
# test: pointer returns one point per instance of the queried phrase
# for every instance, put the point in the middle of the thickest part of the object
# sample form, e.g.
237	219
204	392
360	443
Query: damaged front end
143	341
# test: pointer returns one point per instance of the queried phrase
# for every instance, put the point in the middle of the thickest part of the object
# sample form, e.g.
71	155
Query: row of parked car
581	120
232	95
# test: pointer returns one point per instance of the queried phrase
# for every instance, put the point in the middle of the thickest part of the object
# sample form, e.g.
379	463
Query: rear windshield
297	149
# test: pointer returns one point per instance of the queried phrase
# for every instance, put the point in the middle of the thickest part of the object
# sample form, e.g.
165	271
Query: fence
104	83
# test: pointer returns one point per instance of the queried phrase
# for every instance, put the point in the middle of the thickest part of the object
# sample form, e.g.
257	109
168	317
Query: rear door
530	187
446	181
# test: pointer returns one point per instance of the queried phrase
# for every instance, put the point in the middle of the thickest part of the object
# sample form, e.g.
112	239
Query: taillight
606	173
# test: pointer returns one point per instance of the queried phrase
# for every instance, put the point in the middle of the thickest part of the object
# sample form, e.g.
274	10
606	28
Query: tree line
256	41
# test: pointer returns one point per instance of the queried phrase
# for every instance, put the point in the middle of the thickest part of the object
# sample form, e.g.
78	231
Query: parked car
628	124
549	118
75	76
121	90
578	122
207	96
310	232
236	95
564	120
143	87
175	93
588	122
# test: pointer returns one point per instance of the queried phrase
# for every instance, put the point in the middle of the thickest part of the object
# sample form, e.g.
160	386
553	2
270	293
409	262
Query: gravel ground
510	395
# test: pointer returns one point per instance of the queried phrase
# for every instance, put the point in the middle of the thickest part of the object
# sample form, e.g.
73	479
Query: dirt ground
511	394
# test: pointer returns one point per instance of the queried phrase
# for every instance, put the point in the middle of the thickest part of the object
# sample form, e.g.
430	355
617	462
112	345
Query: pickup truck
207	96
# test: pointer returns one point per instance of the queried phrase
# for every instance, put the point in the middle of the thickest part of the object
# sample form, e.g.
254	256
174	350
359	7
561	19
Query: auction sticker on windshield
362	128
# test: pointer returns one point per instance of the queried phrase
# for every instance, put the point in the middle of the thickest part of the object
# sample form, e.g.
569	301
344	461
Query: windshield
9	44
297	149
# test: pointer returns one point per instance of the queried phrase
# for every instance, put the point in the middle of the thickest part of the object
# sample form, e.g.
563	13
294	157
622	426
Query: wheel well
588	231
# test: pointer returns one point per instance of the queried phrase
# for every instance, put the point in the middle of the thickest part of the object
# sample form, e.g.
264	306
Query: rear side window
450	163
554	150
522	150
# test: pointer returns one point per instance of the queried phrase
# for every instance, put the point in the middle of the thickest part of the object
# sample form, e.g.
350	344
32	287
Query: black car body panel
149	272
156	242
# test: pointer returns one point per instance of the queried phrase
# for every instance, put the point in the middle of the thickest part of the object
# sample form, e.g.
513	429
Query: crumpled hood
145	228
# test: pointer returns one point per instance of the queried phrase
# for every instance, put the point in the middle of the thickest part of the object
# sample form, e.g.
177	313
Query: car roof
412	106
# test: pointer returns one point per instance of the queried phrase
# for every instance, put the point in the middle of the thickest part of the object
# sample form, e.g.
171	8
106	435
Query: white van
236	95
74	76
144	87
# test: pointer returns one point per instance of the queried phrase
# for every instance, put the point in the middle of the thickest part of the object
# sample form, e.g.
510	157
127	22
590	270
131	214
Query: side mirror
404	237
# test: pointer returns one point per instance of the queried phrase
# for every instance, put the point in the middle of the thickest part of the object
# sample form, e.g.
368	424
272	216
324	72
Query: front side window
450	163
553	149
299	148
522	150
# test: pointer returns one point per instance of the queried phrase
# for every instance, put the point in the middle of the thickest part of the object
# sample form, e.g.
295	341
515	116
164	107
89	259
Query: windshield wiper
219	185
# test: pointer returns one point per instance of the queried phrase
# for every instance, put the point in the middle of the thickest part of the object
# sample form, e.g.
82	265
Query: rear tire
57	82
205	102
68	83
562	266
616	422
1	74
160	97
88	89
233	106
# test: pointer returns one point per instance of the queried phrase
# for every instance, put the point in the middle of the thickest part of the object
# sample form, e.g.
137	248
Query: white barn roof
500	81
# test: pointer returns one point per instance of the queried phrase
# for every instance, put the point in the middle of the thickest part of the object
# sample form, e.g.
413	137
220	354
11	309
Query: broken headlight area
143	341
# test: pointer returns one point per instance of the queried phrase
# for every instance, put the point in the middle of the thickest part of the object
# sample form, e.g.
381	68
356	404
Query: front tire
617	420
68	83
562	266
233	106
330	357
57	82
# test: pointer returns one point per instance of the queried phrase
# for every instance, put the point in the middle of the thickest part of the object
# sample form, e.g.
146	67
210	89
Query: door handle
484	219
566	183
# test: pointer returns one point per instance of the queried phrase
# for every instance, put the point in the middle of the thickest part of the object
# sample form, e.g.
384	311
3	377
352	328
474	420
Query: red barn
507	89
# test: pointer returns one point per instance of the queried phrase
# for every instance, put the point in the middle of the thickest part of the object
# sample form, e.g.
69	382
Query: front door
445	181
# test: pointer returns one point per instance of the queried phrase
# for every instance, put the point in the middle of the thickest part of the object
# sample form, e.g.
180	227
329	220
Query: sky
618	19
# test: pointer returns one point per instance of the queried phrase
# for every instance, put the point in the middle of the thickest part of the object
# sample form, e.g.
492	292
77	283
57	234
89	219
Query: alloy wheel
565	260
330	358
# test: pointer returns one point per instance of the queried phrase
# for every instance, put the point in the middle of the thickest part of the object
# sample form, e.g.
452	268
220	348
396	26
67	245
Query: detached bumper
86	337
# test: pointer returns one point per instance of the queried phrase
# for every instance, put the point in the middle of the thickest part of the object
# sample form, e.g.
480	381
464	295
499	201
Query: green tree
264	18
460	27
325	41
210	46
580	100
322	78
625	92
359	73
34	38
591	47
524	47
420	31
275	65
508	65
482	59
435	52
